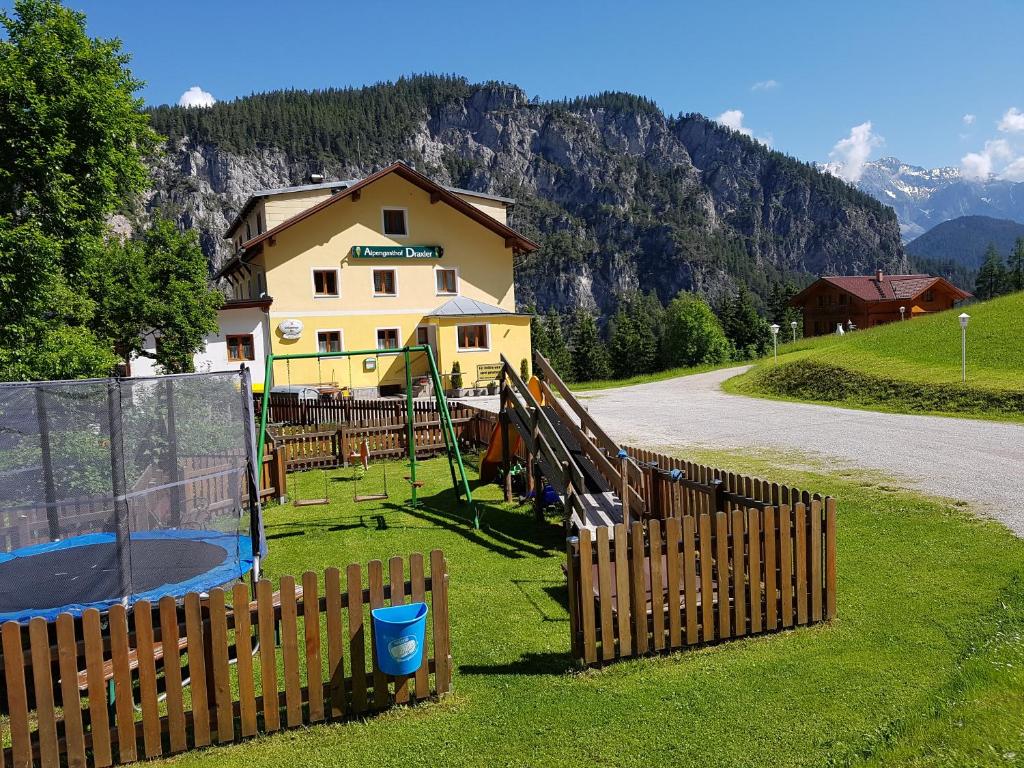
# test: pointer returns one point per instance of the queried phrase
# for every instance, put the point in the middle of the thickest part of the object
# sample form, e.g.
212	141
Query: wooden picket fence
699	578
87	691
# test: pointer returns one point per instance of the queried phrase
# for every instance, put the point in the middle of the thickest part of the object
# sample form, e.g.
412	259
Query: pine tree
744	327
992	278
558	349
1016	273
623	341
589	355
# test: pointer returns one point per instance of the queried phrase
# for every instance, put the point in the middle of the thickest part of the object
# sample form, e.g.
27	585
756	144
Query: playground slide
492	456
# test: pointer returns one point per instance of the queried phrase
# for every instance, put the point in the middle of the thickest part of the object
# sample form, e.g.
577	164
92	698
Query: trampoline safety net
114	490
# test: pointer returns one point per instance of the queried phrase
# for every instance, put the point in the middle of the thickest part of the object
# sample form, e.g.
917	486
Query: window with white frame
473	337
325	282
385	282
447	281
394	222
387	338
328	341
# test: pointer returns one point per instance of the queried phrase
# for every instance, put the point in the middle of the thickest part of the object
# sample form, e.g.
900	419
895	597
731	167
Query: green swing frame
460	482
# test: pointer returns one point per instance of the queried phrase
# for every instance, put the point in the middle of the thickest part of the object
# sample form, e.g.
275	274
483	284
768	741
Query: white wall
215	355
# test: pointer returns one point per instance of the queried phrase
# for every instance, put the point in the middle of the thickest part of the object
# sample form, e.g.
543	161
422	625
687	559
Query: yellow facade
324	240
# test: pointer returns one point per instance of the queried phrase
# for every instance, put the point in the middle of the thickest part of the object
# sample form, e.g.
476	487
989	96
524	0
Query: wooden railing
288	409
541	441
387	436
699	578
85	691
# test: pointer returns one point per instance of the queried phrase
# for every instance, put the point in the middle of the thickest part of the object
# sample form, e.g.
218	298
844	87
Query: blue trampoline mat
83	572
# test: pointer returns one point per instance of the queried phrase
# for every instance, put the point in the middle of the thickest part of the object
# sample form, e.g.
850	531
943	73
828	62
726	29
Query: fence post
718	494
506	459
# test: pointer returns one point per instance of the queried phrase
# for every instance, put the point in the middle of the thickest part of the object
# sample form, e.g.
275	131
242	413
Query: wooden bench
158	646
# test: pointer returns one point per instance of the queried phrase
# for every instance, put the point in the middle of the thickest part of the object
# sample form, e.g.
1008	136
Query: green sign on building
397	251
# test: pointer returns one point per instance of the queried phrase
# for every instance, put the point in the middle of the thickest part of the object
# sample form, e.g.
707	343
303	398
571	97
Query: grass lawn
912	366
923	666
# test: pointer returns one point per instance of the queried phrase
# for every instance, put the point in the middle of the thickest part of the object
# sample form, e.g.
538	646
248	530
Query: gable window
384	282
387	338
395	224
259	223
248	231
328	341
446	281
325	282
842	298
240	347
929	295
473	337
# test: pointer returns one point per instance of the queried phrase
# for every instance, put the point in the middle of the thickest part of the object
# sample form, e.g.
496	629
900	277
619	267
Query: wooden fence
700	578
88	691
288	409
386	433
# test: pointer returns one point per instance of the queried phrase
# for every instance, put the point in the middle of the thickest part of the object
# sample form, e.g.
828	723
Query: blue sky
911	69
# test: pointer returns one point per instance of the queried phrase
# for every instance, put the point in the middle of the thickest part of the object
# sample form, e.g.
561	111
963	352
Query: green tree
693	334
623	343
72	142
588	353
156	283
744	327
1016	266
992	278
557	348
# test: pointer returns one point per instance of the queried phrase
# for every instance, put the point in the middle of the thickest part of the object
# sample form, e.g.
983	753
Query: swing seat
370	497
310	502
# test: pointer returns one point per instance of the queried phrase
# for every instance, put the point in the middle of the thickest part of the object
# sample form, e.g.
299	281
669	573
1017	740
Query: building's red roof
889	288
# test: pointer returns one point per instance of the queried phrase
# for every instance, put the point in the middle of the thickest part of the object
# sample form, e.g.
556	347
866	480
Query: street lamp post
792	325
775	339
964	317
902	313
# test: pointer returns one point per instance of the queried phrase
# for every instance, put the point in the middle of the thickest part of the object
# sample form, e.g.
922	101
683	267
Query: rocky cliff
621	196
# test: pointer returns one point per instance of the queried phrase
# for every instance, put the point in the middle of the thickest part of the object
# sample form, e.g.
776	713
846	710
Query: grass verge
647	378
929	621
908	367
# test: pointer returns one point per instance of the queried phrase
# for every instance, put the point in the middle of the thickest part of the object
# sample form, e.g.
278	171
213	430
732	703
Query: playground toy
460	481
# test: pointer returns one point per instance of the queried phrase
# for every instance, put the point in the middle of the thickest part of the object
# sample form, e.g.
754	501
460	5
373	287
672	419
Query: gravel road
978	462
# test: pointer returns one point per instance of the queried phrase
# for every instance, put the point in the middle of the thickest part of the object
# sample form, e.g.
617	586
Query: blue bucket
398	635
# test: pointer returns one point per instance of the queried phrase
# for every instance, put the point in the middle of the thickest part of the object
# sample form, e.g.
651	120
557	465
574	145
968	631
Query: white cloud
196	97
1012	122
968	119
978	166
733	118
766	85
849	155
1014	171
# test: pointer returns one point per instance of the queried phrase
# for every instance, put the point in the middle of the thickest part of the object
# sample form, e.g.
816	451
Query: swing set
361	458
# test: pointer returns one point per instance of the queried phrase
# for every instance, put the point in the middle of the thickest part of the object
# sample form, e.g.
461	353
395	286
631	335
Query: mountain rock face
925	197
620	196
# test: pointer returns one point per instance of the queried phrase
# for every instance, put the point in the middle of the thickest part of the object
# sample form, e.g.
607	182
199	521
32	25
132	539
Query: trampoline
82	572
119	490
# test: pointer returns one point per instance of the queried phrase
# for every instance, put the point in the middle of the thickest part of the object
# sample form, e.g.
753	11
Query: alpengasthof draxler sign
397	251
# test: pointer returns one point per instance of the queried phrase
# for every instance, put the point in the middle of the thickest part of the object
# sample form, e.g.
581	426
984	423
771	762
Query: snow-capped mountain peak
924	197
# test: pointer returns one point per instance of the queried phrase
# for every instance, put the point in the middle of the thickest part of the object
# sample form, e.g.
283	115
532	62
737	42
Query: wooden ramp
599	510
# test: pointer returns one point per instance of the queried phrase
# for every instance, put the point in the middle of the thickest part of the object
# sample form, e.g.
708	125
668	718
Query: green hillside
912	366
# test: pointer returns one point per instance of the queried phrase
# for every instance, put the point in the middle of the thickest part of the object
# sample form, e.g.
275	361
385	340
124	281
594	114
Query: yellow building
387	261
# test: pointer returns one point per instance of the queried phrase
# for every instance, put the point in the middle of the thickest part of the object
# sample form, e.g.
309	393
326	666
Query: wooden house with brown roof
870	300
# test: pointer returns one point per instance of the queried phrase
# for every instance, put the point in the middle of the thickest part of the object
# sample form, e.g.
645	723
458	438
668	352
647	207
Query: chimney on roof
878	275
316	178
